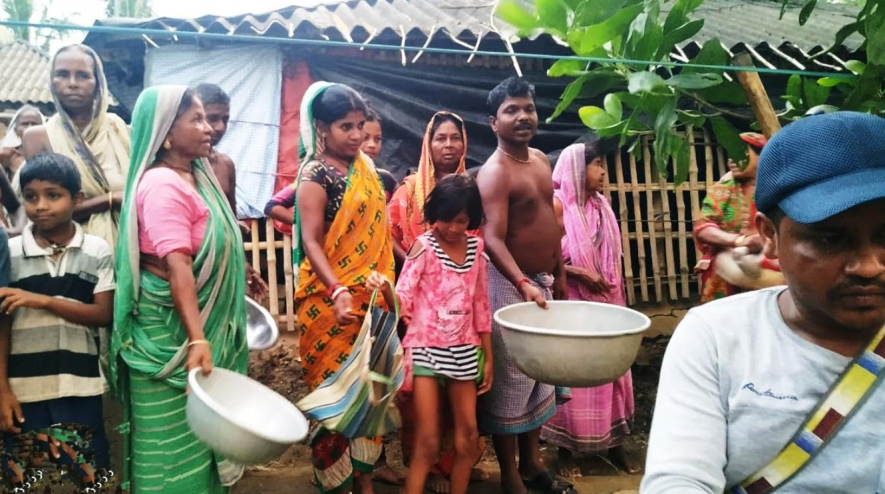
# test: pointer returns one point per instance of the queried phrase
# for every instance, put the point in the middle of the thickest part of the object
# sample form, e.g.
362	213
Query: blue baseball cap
823	165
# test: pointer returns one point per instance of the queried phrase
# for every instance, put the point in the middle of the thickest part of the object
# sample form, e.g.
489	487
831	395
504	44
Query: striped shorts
460	363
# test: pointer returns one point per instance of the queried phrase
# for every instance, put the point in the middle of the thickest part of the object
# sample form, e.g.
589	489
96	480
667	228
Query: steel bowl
261	328
572	343
241	418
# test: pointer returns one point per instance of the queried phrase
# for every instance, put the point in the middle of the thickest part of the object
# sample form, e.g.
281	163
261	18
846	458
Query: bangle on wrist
522	281
338	291
331	290
198	342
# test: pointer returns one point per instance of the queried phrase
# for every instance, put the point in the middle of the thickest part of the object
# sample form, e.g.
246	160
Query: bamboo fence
655	219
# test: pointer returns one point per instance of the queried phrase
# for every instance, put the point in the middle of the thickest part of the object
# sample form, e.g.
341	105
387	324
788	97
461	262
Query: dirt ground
280	369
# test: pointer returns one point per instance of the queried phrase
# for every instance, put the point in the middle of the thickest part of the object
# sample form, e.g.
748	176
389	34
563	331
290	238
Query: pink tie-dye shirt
448	303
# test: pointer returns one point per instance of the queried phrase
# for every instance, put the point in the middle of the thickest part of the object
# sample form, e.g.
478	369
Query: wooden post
757	96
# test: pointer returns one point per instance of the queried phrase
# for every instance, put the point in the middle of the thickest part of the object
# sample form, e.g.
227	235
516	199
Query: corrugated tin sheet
732	21
25	74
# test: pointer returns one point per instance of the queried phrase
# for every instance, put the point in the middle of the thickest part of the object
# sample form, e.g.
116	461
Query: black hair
452	196
443	118
372	115
514	87
212	94
599	148
54	168
187	101
336	102
387	180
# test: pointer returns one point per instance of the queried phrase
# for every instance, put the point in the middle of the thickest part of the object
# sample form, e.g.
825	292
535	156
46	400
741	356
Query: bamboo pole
640	246
272	270
256	246
708	159
722	162
625	232
757	96
668	236
652	225
288	272
695	199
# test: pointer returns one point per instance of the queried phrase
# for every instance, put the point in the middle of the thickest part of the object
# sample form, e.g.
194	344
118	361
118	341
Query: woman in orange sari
443	153
341	234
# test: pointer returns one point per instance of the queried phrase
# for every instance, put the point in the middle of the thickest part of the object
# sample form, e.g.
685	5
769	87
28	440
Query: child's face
48	204
372	143
453	230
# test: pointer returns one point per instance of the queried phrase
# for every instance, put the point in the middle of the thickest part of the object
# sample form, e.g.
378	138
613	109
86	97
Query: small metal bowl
261	329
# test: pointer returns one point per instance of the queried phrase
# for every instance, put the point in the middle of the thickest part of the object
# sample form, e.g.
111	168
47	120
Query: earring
167	145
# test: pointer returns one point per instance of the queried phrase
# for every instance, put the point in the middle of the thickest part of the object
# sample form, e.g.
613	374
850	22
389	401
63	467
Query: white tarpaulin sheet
252	76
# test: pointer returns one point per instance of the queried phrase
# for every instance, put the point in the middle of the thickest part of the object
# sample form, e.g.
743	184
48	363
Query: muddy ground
280	369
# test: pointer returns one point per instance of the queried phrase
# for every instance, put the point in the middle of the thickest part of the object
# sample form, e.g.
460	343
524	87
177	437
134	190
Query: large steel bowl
261	329
241	418
572	343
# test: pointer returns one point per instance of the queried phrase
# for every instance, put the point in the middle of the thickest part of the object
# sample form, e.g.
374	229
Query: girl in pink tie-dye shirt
443	293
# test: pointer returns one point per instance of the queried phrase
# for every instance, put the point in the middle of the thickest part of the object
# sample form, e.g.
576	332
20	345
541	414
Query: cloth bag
357	401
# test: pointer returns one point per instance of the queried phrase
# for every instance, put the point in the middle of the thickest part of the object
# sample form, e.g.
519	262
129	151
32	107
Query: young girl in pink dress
444	301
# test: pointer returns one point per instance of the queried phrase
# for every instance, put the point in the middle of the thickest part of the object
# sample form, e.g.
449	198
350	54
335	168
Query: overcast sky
85	12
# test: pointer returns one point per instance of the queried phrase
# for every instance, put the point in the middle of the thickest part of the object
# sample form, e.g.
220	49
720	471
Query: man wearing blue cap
783	388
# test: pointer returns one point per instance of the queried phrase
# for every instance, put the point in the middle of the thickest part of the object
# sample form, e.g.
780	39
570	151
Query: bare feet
438	483
386	475
619	456
566	465
478	475
363	484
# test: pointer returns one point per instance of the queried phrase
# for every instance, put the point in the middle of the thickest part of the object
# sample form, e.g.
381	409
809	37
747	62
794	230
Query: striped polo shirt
50	357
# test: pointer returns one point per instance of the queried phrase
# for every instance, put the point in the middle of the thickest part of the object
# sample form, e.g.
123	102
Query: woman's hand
255	284
199	356
488	371
753	243
343	306
595	282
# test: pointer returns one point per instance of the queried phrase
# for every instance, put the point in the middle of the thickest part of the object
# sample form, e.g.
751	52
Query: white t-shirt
735	387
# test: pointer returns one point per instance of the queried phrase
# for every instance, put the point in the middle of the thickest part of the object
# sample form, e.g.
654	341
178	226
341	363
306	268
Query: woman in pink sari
595	420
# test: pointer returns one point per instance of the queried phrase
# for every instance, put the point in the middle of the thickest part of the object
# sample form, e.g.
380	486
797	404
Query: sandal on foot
545	482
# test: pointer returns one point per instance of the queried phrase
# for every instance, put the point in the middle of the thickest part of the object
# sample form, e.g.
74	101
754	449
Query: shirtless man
217	105
523	241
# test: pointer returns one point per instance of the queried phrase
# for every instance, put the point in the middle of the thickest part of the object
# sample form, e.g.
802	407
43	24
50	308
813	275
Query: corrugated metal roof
732	21
25	74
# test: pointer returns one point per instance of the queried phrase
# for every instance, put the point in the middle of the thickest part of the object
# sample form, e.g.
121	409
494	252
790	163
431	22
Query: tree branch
711	106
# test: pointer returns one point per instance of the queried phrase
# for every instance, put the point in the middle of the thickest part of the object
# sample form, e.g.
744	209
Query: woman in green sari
180	295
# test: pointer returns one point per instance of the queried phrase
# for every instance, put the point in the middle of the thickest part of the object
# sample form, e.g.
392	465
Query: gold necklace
514	158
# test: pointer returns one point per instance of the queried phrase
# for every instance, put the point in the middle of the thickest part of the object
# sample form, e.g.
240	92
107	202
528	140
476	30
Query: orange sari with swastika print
357	243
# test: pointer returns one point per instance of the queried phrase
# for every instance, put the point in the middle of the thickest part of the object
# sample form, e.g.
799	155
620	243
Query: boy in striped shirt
60	293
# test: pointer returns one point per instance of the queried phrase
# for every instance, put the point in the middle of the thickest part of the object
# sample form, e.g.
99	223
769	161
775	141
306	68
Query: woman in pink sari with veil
595	420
